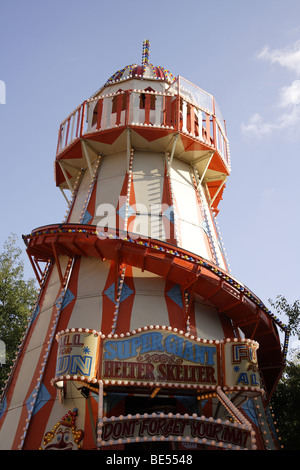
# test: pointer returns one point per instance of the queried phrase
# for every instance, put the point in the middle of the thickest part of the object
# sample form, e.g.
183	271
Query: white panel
207	321
24	379
8	431
80	198
188	217
113	165
184	193
87	311
53	285
193	240
109	185
149	307
42	320
148	180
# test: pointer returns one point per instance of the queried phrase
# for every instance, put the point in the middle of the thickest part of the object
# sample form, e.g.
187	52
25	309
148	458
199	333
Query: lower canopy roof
193	273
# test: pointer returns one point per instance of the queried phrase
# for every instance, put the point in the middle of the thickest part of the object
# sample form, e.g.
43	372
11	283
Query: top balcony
182	108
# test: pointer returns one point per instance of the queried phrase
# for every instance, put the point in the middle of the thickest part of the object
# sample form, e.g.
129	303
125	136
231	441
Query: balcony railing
184	107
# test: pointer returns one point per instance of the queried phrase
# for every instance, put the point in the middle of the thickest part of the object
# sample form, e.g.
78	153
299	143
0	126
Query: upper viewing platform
162	113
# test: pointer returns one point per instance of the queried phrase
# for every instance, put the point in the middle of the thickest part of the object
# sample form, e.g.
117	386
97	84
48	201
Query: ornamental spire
146	52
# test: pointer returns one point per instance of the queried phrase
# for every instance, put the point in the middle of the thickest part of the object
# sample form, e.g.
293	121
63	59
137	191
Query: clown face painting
64	435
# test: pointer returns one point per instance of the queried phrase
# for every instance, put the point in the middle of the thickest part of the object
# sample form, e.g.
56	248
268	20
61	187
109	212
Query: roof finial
146	52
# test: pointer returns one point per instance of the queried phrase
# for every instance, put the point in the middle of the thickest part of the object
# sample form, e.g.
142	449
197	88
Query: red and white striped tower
140	333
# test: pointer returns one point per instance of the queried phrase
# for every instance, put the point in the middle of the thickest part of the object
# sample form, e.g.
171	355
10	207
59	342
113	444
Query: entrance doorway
149	405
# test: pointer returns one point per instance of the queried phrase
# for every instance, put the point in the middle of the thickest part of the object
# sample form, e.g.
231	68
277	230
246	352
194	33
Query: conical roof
144	71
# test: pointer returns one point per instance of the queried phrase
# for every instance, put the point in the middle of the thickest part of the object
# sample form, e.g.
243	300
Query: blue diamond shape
42	398
35	313
67	299
87	217
175	294
170	214
249	409
3	406
122	211
126	292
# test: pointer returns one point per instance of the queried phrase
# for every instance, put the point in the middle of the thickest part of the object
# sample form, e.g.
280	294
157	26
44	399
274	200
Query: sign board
161	356
240	361
77	355
206	431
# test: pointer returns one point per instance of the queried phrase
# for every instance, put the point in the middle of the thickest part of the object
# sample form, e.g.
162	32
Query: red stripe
39	421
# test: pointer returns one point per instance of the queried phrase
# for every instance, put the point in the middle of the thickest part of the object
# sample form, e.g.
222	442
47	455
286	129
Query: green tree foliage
286	407
291	311
286	399
17	298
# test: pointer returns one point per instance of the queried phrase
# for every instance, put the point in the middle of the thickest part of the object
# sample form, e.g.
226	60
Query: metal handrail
179	110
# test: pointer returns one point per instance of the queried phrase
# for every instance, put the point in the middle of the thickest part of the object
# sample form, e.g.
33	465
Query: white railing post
135	107
184	116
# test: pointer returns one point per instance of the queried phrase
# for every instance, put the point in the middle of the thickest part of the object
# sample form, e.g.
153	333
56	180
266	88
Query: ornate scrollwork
161	358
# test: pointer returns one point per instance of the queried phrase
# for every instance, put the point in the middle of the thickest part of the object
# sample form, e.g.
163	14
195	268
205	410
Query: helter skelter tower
140	334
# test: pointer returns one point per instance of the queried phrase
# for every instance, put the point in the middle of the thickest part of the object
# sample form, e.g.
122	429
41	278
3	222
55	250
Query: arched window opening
115	101
143	97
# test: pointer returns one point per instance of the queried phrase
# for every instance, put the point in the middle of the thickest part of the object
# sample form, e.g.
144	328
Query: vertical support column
184	116
119	108
174	236
128	149
60	139
99	113
100	412
119	281
178	123
87	157
82	118
80	110
128	190
207	125
66	176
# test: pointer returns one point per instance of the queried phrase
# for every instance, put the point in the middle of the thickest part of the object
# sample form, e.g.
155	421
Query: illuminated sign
160	356
157	356
77	354
173	427
241	368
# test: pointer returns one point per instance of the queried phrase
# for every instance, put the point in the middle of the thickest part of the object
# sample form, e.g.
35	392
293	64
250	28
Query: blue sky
55	54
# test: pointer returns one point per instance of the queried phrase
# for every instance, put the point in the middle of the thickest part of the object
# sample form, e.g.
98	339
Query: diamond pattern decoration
42	398
122	211
35	313
170	214
126	292
249	409
67	299
175	294
3	406
87	218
